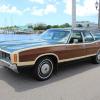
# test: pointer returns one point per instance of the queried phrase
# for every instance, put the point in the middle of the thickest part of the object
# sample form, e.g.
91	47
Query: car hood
14	45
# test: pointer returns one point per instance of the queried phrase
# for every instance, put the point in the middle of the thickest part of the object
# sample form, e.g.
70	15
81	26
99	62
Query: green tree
55	26
49	26
65	25
79	25
40	26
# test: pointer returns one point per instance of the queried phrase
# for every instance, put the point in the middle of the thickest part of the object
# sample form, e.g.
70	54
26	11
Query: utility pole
73	13
99	16
97	4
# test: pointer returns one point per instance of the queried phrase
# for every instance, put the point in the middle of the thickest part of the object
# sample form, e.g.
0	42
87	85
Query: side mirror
75	40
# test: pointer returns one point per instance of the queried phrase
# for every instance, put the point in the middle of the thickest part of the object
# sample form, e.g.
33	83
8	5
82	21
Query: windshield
57	35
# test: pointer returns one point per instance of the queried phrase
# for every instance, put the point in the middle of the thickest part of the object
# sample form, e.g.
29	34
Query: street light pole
99	16
73	13
97	4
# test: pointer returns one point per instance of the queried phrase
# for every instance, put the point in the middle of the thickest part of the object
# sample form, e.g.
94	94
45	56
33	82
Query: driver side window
76	38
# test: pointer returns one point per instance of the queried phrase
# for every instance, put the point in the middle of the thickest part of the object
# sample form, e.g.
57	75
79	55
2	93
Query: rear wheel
96	59
43	69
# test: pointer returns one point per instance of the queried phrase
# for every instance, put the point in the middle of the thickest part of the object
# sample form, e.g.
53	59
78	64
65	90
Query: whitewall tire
43	69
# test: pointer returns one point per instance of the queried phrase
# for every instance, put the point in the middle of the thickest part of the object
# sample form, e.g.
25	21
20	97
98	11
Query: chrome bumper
8	65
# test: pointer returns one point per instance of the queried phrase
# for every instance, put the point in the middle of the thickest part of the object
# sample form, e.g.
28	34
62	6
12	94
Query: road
74	81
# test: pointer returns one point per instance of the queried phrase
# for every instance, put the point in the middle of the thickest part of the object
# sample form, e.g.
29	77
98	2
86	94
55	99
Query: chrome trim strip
27	63
59	61
76	58
52	46
92	36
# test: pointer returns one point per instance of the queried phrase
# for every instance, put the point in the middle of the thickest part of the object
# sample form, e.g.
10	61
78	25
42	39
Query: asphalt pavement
74	81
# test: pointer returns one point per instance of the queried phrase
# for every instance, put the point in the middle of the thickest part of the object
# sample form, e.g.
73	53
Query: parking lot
74	81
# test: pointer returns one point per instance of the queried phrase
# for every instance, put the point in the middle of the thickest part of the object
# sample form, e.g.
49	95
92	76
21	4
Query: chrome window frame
89	41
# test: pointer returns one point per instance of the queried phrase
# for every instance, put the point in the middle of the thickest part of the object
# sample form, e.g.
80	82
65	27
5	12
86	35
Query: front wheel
96	59
43	69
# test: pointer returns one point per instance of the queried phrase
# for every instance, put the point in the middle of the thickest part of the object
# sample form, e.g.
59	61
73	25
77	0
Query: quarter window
88	37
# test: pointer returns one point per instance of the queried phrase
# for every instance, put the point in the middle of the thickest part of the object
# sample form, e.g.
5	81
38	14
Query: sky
22	12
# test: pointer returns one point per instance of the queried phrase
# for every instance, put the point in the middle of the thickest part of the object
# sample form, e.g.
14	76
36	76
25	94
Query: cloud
26	10
37	12
46	1
56	2
9	9
50	8
38	1
85	9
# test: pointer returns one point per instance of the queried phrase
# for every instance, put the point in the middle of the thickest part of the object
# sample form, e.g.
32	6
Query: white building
86	24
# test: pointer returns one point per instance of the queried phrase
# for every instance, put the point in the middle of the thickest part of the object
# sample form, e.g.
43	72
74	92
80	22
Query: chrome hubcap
45	68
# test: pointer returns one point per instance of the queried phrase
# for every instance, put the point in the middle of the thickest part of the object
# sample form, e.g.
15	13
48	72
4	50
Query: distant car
50	48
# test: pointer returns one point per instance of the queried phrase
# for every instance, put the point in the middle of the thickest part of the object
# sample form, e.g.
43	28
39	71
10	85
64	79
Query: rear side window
97	36
88	37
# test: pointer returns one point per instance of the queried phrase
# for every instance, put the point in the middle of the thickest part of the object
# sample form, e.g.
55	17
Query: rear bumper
8	65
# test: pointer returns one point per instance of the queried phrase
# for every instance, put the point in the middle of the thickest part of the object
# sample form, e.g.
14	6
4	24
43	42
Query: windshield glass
57	35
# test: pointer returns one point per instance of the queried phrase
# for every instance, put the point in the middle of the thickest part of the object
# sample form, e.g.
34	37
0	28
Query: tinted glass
76	36
54	34
97	36
88	37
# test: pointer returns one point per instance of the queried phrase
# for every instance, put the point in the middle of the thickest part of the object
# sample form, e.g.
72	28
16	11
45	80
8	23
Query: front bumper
8	65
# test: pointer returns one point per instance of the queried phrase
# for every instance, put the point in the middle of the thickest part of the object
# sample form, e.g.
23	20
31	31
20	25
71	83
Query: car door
90	44
75	47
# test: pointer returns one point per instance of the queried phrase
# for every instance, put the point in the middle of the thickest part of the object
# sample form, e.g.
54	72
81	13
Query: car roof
59	29
68	29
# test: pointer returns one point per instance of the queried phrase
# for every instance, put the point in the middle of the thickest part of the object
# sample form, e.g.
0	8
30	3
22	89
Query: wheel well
52	57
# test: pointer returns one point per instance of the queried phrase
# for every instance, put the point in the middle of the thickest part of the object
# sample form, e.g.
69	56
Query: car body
51	47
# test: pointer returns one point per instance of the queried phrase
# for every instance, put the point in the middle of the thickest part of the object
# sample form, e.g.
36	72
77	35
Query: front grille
5	56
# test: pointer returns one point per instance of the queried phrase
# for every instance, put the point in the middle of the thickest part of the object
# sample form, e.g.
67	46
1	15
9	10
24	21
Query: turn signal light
15	57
